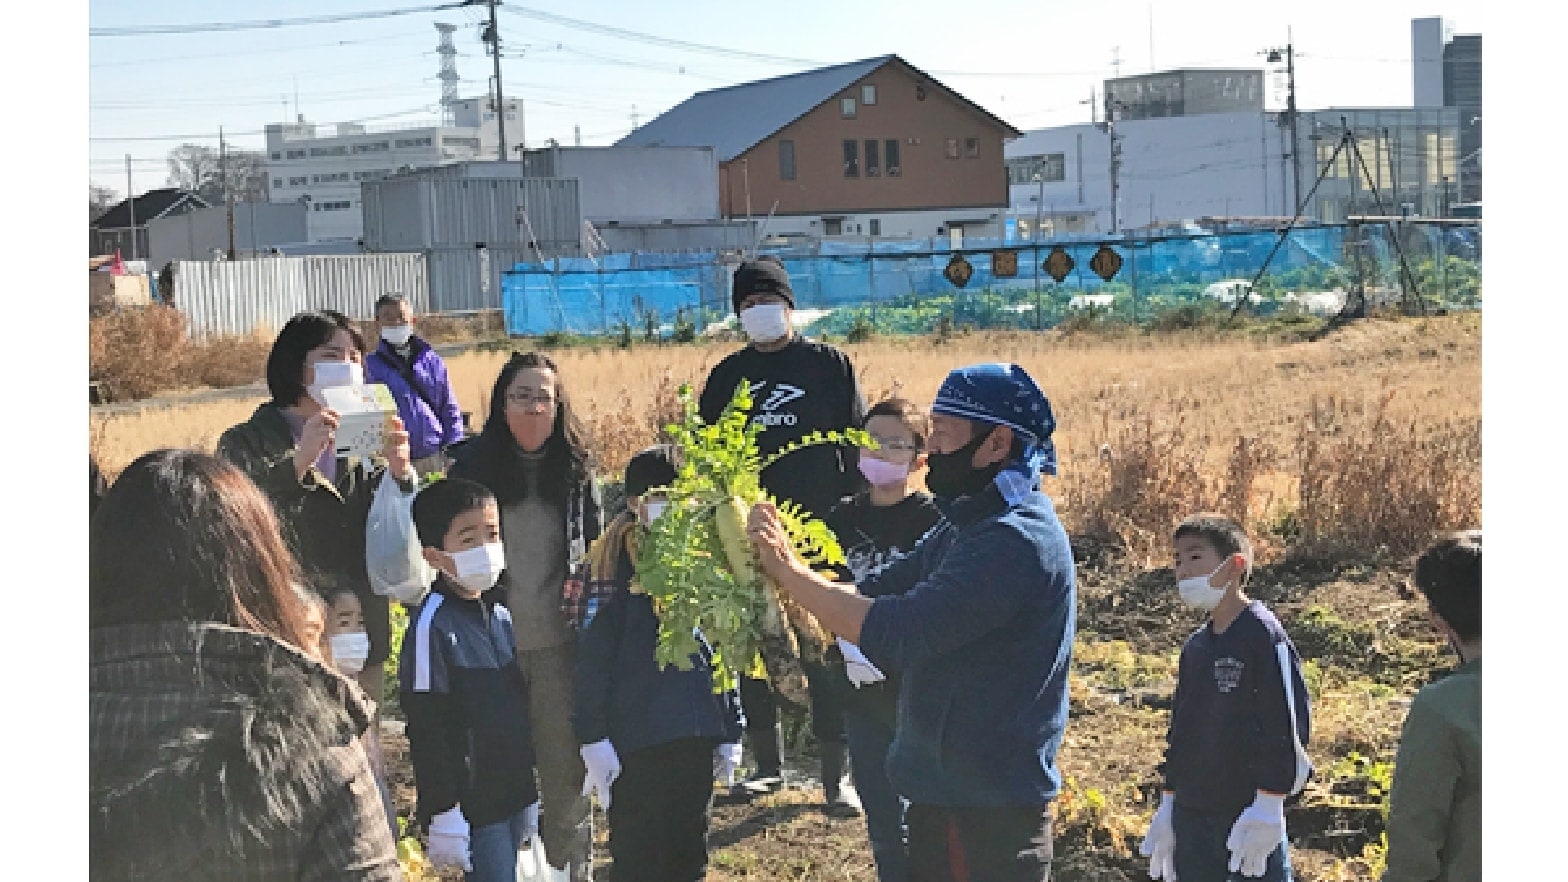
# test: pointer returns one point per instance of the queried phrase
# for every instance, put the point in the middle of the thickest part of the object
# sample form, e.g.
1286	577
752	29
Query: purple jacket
429	429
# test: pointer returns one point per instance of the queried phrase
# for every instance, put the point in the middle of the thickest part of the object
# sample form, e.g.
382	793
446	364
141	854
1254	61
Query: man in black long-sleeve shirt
798	387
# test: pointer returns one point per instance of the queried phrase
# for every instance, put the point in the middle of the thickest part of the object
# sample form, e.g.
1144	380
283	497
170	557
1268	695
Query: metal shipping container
429	209
241	296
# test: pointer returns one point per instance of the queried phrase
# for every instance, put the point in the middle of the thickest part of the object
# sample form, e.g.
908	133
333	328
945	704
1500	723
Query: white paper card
363	415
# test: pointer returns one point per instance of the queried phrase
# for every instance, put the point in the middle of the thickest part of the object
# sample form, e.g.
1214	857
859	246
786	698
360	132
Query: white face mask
335	373
765	322
397	335
1196	591
349	651
880	472
479	567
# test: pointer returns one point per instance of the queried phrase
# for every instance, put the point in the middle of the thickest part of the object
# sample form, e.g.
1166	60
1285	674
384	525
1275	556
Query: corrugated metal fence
237	297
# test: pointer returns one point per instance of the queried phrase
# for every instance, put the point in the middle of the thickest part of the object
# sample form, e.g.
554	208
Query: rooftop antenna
448	75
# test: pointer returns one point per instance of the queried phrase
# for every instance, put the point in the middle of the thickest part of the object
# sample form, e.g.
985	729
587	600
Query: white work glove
530	824
449	841
1159	843
726	757
1257	832
604	766
859	668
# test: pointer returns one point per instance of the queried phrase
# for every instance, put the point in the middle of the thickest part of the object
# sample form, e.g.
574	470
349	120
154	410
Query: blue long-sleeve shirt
1230	731
979	619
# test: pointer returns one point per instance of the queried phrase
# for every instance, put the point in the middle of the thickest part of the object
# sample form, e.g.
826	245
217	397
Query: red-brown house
870	148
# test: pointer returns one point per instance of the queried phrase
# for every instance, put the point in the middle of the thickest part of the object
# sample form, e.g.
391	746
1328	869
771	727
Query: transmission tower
448	75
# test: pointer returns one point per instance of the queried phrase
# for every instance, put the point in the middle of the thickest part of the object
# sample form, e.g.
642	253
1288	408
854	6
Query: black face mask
951	474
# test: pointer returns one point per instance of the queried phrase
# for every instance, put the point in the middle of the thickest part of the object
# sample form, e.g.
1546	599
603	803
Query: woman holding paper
289	448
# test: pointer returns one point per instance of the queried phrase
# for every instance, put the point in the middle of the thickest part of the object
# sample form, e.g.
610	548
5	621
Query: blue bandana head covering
1004	395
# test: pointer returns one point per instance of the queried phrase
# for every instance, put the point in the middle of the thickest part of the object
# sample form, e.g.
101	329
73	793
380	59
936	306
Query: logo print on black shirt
1227	673
783	393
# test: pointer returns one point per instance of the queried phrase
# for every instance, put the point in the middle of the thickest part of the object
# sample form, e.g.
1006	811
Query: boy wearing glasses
875	527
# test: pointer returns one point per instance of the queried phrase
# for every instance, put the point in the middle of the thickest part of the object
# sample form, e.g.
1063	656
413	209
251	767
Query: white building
1230	165
325	169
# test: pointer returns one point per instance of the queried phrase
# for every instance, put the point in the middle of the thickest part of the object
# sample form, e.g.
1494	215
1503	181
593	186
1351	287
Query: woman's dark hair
183	536
495	460
302	333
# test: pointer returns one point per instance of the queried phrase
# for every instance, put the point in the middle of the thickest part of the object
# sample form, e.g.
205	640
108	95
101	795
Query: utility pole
492	36
1116	160
228	192
1289	55
130	202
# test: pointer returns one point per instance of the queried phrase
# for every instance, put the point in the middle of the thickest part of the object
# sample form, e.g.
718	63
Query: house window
833	227
299	182
873	166
472	143
851	159
1051	167
340	150
890	153
846	108
787	160
276	157
372	147
277	183
876	226
971	147
868	94
952	148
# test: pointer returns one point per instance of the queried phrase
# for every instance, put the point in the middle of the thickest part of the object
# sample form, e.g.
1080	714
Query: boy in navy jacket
651	738
1238	724
463	693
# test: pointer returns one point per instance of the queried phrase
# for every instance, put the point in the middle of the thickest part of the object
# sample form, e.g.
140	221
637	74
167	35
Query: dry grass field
1342	456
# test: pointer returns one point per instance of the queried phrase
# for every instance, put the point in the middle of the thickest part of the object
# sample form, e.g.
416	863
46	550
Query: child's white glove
603	767
530	824
859	668
1159	843
726	757
1257	832
449	841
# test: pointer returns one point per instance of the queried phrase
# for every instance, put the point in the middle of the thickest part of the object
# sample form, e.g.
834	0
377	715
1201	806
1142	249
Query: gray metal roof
733	119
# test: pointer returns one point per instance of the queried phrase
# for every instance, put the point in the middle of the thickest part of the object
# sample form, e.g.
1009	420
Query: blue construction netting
902	285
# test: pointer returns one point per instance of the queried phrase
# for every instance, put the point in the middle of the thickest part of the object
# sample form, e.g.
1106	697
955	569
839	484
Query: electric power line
427	108
224	26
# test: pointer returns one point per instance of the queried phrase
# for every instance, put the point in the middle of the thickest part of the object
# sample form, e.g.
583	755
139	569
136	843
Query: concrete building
325	168
870	148
1227	165
1446	72
259	228
1185	92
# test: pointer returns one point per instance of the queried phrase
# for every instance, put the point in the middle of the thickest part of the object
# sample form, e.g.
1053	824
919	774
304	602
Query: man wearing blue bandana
978	619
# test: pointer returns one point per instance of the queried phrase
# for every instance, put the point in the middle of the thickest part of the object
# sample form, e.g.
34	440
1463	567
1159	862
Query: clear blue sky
1031	64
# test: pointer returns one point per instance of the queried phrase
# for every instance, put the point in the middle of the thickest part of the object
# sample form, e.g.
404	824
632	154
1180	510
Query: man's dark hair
1225	534
1448	573
286	360
390	300
651	467
439	504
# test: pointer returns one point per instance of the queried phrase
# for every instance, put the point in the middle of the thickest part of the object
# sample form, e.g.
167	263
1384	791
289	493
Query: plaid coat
223	754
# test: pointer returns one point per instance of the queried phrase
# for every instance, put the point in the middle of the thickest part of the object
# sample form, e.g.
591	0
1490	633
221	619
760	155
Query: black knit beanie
765	275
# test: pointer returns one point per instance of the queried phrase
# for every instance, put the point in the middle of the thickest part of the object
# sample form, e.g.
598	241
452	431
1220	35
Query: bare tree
99	201
199	169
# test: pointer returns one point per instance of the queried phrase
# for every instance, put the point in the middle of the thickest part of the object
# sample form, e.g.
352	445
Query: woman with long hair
288	448
218	748
533	454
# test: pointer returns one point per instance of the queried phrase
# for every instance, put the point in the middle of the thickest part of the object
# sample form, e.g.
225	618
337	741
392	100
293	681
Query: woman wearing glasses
533	455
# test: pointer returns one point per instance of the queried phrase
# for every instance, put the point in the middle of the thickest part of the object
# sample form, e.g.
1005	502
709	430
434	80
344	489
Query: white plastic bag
393	556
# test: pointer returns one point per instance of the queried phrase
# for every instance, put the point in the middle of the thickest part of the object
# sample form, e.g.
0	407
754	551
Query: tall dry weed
1371	481
136	352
